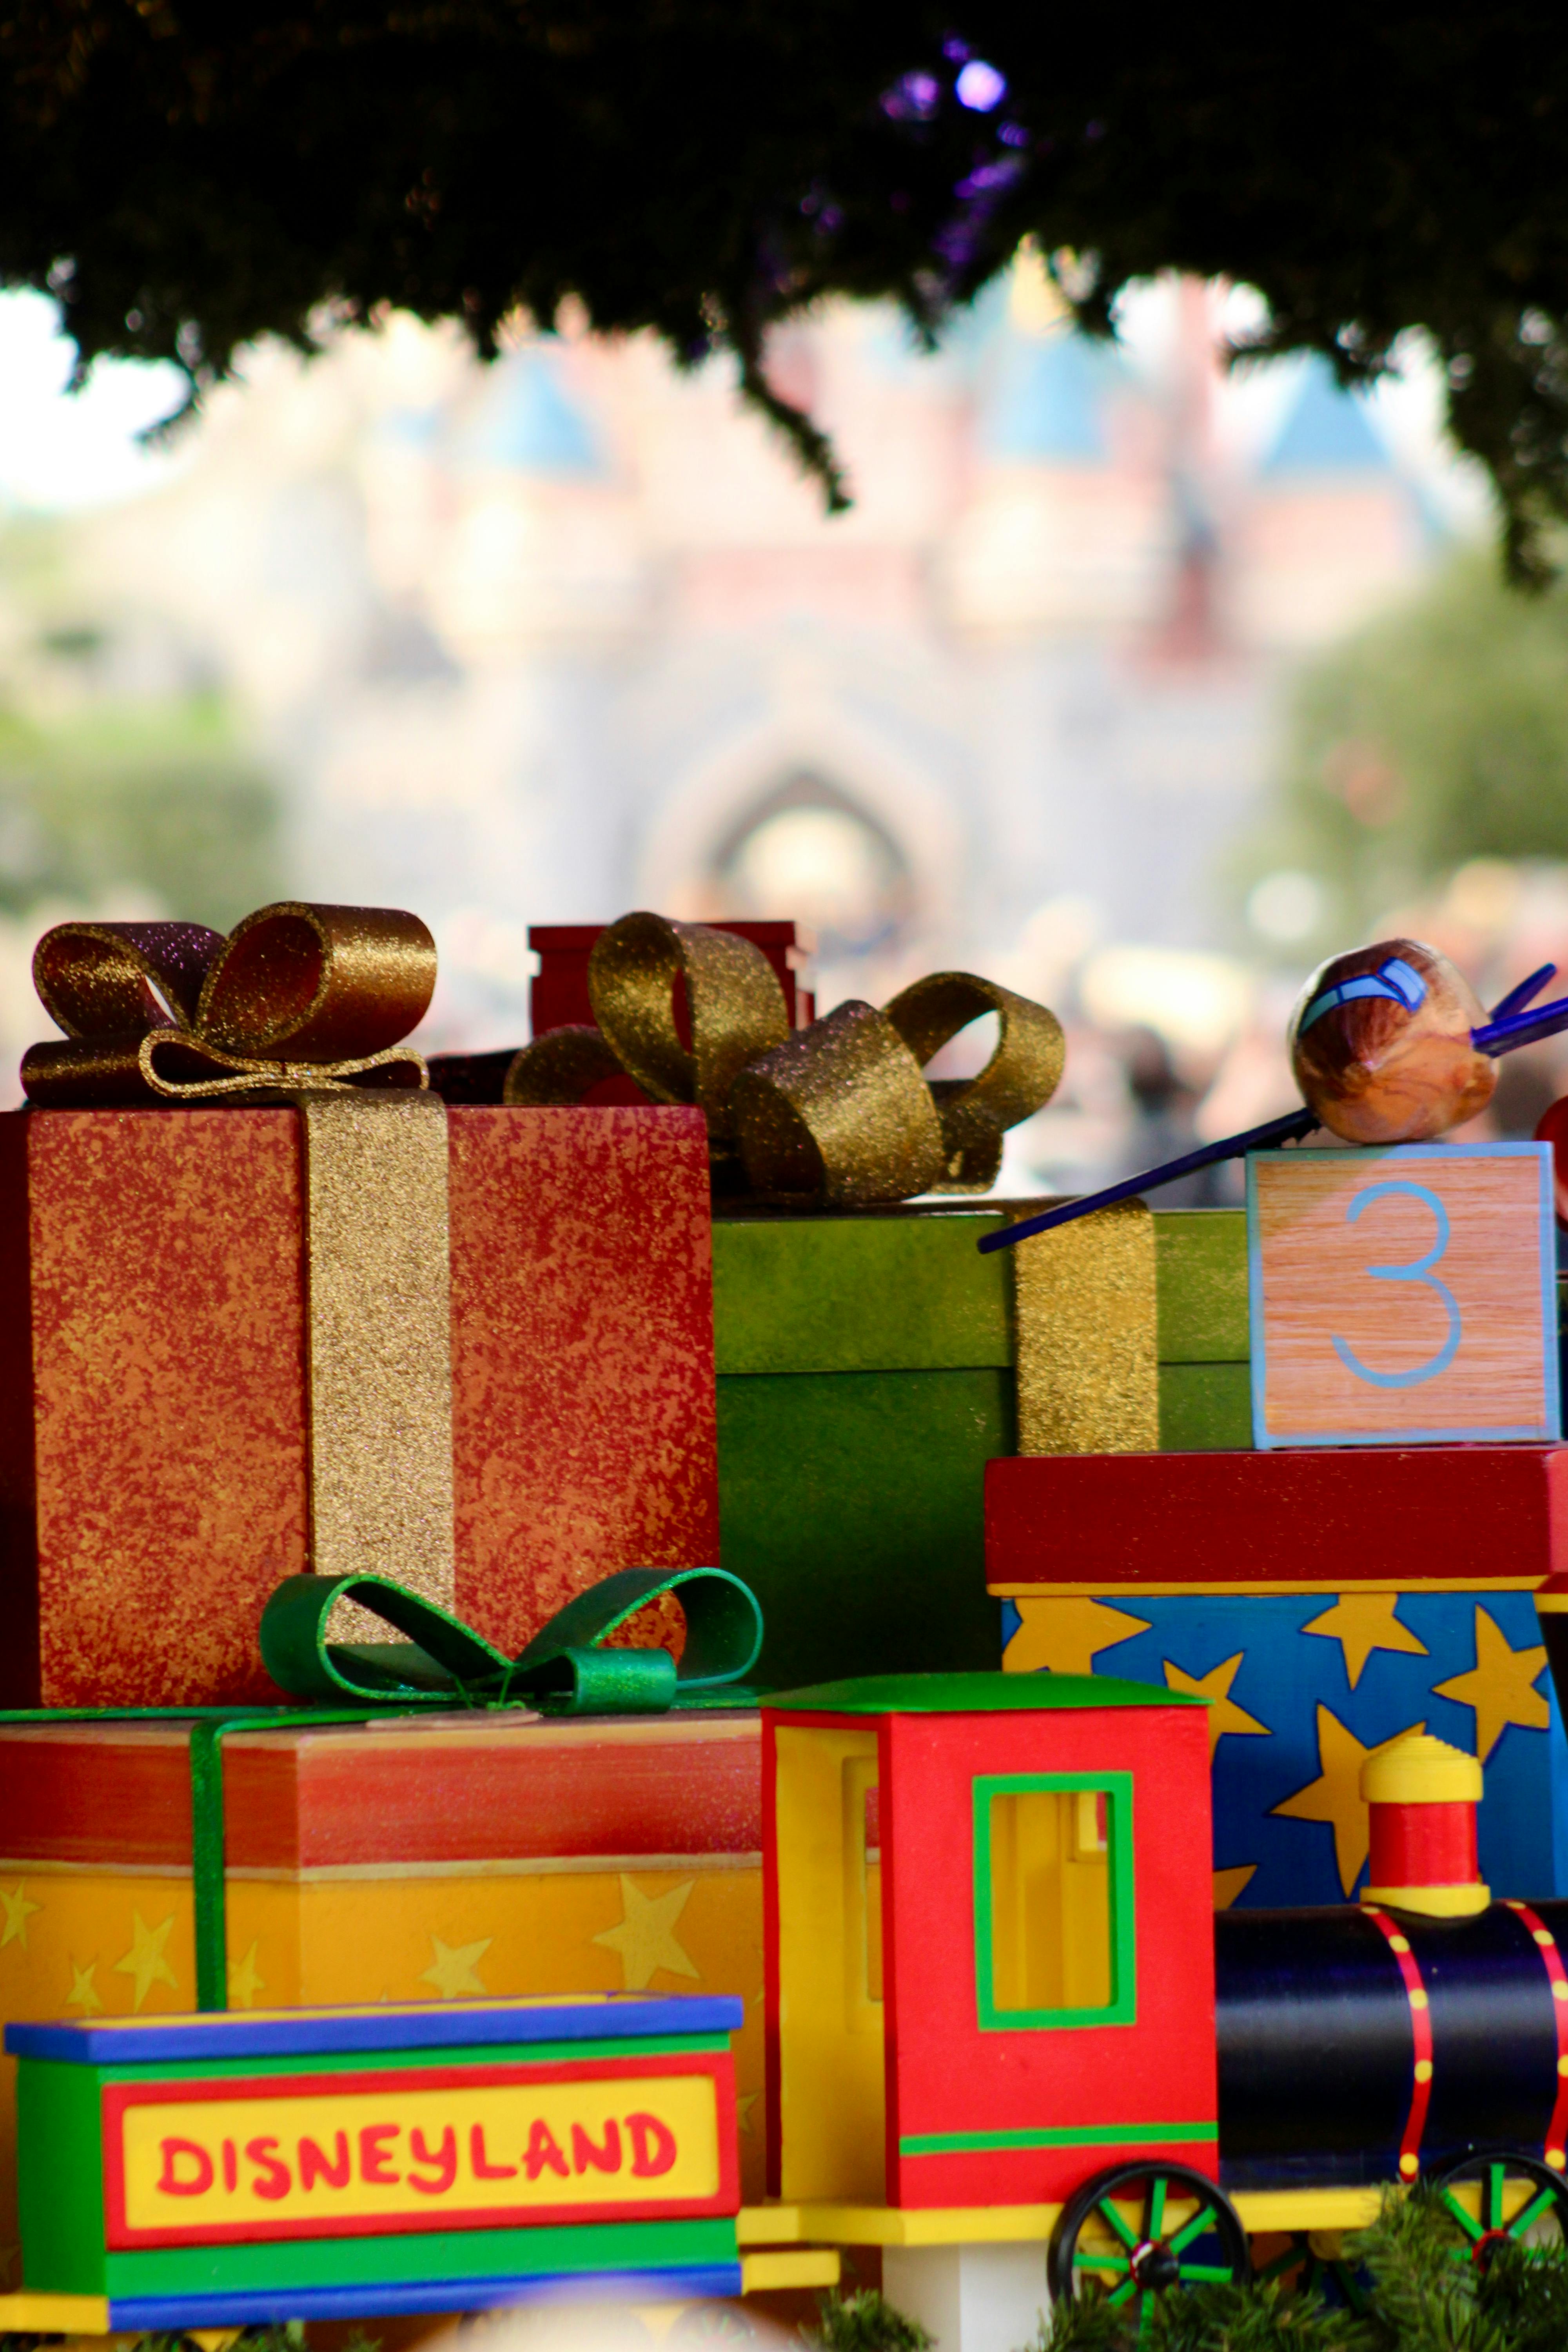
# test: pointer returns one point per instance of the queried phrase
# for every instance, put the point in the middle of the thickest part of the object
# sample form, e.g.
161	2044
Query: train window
1053	1899
862	1896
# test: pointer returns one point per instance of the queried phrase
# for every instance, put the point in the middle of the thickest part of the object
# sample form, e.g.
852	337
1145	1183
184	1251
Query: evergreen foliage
863	2322
187	174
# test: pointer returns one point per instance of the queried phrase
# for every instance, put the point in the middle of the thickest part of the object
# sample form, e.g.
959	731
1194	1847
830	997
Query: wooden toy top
401	2027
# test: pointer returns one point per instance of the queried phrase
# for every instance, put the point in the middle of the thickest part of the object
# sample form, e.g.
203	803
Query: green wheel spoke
1212	2273
1146	2319
1156	2217
1118	2263
1119	2295
1204	2219
1113	2219
1494	2196
1531	2213
1472	2229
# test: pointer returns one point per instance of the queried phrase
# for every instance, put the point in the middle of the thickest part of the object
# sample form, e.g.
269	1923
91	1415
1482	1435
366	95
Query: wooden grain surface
1401	1294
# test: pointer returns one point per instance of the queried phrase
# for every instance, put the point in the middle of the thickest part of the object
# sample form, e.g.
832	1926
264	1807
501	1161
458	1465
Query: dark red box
1416	1515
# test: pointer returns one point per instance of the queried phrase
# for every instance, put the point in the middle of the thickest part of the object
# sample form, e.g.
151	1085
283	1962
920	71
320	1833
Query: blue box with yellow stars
1302	1687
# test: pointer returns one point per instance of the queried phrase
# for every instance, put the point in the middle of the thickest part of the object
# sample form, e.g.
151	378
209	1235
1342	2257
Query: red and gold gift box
202	1391
495	1855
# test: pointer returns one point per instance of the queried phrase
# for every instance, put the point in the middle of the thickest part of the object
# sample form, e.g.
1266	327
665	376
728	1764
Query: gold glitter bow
839	1113
296	999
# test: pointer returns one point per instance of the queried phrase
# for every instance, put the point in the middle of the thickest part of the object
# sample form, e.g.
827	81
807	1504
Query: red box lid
454	1790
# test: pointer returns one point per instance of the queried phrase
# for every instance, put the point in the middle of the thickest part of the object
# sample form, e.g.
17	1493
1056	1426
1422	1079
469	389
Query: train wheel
1186	2232
1492	2170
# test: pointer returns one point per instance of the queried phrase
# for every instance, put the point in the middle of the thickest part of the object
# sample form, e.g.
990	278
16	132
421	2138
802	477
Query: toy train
997	1988
1000	2012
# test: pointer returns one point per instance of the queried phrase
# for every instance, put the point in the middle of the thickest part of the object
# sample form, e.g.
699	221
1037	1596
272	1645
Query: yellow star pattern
744	2102
1223	1713
1499	1687
1361	1622
646	1939
1066	1636
455	1970
145	1963
1335	1795
1229	1883
83	1994
18	1909
245	1981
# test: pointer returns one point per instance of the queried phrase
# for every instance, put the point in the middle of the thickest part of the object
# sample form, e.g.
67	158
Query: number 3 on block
1418	1270
1359	1339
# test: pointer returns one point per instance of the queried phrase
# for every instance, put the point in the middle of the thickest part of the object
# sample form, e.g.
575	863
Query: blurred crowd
1167	1051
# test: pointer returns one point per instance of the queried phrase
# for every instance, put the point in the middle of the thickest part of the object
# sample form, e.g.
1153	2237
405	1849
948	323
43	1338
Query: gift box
871	1363
1302	1686
1323	1603
468	1347
1206	1392
447	1859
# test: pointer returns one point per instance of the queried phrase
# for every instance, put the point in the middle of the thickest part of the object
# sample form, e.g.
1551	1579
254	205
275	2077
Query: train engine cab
990	1946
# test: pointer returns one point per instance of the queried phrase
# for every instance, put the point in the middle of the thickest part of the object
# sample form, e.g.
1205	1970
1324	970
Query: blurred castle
566	636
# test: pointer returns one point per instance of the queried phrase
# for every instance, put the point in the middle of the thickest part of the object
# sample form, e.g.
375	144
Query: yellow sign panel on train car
339	2155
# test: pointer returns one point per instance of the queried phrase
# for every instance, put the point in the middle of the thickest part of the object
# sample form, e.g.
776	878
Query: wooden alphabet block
1403	1297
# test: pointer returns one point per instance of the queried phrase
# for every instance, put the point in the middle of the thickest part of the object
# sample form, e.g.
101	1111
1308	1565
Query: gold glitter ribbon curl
839	1115
305	1005
296	998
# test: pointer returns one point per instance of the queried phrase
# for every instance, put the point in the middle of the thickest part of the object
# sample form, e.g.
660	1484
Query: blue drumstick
1295	1124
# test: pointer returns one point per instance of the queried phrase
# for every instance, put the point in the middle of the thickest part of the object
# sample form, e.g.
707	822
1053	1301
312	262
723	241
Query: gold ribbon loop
733	999
560	1066
1023	1071
839	1112
109	980
317	983
297	998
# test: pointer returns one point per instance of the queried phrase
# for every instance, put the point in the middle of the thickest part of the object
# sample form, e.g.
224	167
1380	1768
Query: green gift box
1205	1373
871	1362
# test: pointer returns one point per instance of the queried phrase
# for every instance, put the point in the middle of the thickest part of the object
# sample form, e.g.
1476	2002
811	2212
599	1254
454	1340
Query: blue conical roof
1046	399
1326	430
526	422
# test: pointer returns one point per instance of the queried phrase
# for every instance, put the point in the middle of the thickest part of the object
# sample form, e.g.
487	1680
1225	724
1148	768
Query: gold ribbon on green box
306	1005
840	1114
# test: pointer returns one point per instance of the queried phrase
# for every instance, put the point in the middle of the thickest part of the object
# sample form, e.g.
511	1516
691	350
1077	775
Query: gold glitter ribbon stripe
1085	1336
379	1341
839	1115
